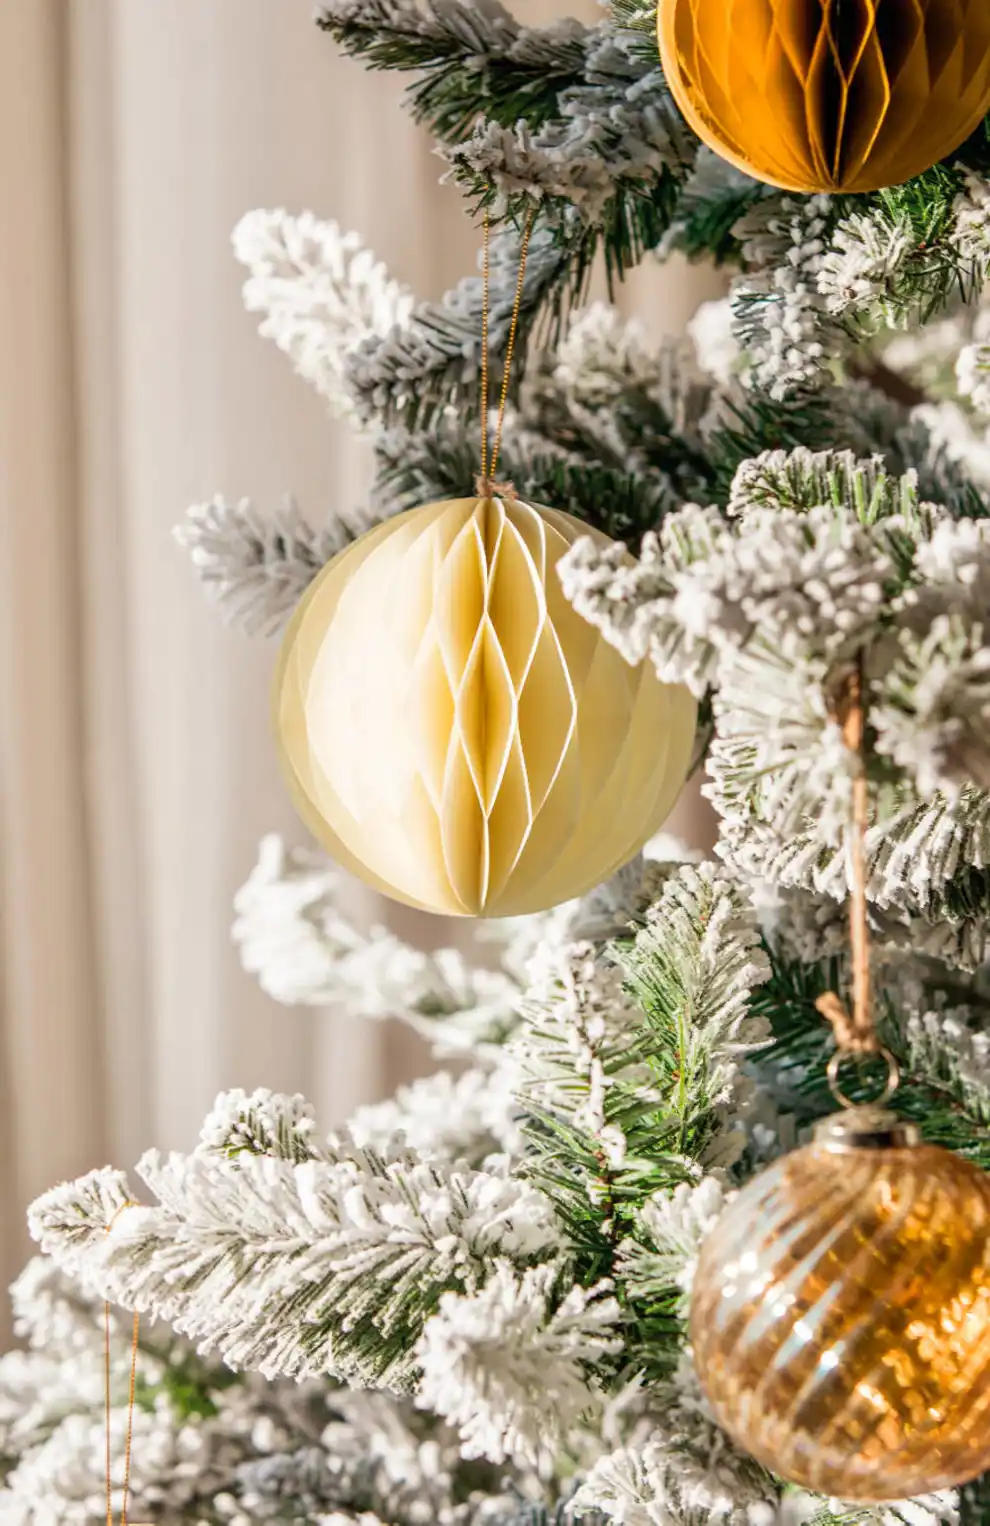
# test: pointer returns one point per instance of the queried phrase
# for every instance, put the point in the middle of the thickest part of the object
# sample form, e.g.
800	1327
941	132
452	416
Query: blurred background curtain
136	767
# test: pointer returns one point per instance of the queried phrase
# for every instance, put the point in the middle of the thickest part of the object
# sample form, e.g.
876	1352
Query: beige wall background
136	768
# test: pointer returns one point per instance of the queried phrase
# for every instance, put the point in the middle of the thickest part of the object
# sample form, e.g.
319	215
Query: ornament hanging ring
892	1083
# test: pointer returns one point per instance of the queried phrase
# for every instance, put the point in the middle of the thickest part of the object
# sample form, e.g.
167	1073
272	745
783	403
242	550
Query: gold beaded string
486	486
130	1398
855	1032
485	278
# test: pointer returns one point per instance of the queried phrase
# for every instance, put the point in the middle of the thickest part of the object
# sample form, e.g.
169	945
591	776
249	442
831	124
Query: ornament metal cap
866	1128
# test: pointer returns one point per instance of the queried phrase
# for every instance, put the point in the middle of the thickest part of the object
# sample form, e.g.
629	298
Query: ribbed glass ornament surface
455	733
840	1320
829	95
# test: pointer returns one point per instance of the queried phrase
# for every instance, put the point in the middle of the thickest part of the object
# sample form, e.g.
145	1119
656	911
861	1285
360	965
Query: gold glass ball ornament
454	733
840	1318
829	95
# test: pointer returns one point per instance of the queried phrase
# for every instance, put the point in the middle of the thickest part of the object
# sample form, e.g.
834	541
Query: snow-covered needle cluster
469	1305
209	1445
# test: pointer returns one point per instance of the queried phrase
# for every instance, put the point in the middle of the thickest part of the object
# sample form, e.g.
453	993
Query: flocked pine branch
352	331
425	467
611	397
256	565
948	1051
680	1467
921	998
626	1095
972	366
573	119
669	1230
607	426
466	1118
295	934
322	294
822	276
325	1265
471	57
619	431
529	1405
433	362
618	467
583	1057
608	156
694	966
208	1444
823	558
604	172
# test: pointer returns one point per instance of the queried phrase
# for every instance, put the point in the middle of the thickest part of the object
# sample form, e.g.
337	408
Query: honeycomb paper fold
454	733
829	95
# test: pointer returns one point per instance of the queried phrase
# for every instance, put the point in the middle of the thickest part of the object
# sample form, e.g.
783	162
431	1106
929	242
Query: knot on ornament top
487	487
851	1036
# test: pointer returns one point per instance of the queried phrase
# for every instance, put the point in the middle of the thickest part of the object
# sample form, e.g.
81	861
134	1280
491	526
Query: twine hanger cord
855	1030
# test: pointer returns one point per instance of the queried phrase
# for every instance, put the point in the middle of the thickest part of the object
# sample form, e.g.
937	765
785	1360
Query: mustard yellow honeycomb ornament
829	95
454	733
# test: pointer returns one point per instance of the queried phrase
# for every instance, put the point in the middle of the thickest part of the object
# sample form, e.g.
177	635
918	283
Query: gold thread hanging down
855	1032
132	1389
485	278
486	485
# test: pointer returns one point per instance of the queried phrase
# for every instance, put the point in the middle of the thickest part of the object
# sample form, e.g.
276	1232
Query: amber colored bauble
454	733
841	1314
829	95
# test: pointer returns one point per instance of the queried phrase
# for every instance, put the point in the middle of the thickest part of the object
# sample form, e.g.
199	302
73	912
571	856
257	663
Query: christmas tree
470	1305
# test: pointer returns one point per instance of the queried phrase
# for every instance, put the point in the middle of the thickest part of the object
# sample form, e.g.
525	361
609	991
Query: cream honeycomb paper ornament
452	731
